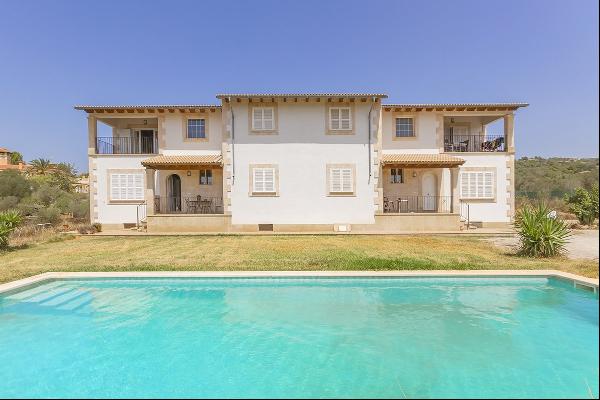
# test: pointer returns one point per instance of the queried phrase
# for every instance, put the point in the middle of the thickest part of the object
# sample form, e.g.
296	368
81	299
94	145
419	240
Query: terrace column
509	133
149	193
454	199
92	134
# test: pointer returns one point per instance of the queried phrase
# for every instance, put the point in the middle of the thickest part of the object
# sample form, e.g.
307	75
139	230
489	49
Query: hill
551	178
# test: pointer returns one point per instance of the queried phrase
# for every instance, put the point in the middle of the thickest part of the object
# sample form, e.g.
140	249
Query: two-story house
302	162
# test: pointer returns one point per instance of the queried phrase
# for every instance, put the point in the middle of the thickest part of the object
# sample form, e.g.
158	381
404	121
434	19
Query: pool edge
49	276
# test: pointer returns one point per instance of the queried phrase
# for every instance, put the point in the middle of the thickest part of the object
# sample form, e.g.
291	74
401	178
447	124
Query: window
396	175
263	118
127	186
263	180
405	127
206	177
477	185
196	128
340	119
341	180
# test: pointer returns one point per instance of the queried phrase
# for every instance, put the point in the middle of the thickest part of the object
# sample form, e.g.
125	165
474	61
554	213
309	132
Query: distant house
5	162
82	185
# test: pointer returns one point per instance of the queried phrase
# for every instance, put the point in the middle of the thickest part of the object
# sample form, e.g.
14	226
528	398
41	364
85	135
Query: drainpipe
232	142
369	144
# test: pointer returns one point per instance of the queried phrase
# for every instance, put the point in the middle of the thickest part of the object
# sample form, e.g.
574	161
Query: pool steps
31	289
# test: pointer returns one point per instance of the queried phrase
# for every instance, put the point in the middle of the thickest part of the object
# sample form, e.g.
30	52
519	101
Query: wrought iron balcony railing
474	143
126	145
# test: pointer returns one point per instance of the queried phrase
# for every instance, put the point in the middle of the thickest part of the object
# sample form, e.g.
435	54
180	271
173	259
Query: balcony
474	143
127	145
417	204
188	205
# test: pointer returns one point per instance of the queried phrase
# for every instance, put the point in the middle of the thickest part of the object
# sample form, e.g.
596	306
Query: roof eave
223	96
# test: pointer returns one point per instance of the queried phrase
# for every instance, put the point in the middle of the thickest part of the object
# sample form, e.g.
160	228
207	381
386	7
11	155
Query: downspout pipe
369	140
232	141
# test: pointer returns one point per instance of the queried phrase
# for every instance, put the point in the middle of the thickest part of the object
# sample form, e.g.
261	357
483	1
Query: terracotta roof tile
441	160
185	160
225	95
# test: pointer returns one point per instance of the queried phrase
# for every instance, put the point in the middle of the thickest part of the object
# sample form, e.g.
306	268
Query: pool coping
589	283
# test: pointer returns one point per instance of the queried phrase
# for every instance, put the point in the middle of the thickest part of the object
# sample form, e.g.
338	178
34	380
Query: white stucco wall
113	213
175	128
426	125
489	210
301	150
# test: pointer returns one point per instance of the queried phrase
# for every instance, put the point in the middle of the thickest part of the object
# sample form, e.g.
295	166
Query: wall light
189	173
414	174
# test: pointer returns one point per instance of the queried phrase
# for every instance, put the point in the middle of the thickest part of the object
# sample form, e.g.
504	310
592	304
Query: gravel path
583	244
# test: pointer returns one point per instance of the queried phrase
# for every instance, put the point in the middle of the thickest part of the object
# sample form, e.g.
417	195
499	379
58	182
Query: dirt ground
583	244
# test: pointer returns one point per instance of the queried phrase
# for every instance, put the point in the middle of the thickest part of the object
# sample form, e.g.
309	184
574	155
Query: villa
5	161
329	162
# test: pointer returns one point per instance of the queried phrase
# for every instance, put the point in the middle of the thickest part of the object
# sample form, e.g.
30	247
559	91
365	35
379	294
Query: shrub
9	220
584	204
540	234
97	226
50	215
8	202
46	194
86	229
12	183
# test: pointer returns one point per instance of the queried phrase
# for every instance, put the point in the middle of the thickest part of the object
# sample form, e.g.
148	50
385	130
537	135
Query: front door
174	193
429	190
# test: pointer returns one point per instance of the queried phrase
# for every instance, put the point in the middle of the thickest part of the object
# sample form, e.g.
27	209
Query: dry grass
97	253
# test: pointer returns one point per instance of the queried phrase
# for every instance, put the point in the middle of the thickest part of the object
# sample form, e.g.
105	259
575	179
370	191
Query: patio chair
497	143
206	206
448	146
464	145
191	206
218	205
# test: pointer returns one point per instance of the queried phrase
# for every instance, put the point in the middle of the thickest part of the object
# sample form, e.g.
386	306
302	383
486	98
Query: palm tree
40	166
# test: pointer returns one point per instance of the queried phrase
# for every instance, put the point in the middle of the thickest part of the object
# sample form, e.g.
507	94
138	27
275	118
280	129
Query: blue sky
55	54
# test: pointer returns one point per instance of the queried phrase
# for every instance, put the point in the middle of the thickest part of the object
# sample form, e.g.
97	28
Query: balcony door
142	141
429	190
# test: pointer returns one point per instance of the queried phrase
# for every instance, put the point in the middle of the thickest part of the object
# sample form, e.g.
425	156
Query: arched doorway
429	191
174	193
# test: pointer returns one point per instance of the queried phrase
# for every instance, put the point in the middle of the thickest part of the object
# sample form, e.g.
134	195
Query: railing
126	145
188	205
140	215
474	143
417	204
465	213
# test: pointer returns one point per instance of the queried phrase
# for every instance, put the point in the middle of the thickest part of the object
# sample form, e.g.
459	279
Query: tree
64	176
16	157
65	168
584	204
41	166
12	183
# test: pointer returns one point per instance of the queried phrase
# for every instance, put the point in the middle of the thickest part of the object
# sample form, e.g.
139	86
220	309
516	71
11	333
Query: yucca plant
9	220
541	233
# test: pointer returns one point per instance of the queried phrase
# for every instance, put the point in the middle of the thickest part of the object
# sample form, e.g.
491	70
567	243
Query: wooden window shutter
263	180
341	180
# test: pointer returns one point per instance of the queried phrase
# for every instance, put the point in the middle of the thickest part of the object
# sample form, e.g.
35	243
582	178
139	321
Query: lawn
221	253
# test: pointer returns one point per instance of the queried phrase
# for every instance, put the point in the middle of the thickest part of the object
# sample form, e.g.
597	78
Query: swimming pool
299	337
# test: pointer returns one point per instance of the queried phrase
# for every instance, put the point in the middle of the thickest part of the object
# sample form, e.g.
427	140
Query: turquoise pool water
297	337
